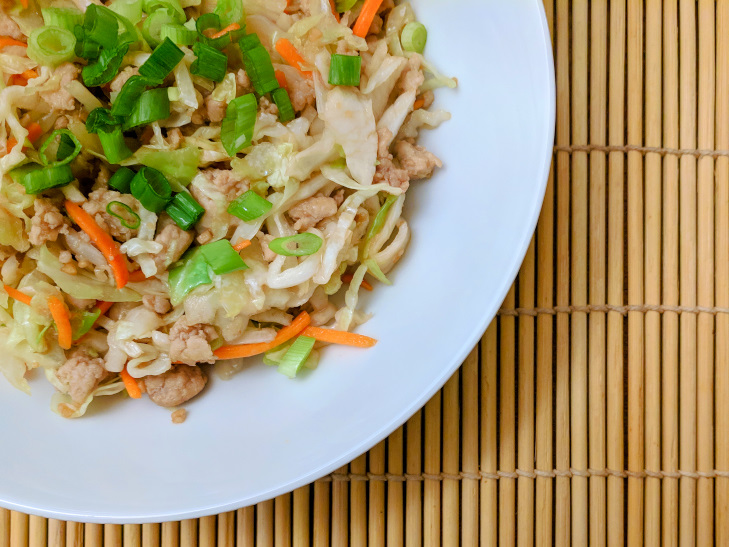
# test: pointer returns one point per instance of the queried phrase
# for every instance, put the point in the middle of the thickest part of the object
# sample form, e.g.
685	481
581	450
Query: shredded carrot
226	30
12	143
366	16
137	277
340	337
131	384
287	50
281	78
420	103
29	74
24	3
284	335
103	307
7	41
103	241
242	244
347	278
334	11
34	131
17	79
62	318
17	295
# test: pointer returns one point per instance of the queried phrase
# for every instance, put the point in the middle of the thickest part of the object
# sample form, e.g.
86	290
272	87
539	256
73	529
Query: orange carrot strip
61	317
284	335
281	78
17	79
131	384
287	50
24	3
103	242
334	11
12	143
34	131
226	30
29	74
103	307
242	244
366	16
7	41
420	103
17	295
347	278
340	337
137	277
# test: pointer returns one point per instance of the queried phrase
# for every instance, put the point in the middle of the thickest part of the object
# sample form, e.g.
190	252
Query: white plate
261	434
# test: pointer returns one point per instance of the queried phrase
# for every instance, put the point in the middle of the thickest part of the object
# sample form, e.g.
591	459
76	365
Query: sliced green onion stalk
210	62
152	26
163	60
345	70
101	26
229	11
65	18
414	37
152	189
51	45
179	34
125	214
185	210
249	206
86	49
188	274
83	321
129	95
121	180
374	269
131	10
173	7
299	245
249	41
100	118
211	21
344	5
105	69
236	132
282	100
36	178
259	68
112	141
376	226
68	148
151	106
296	356
222	257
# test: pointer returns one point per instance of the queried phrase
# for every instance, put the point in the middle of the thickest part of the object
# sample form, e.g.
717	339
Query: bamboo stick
687	356
340	510
282	521
431	465
18	529
38	533
705	276
451	462
321	522
188	533
358	504
57	533
131	535
489	518
469	448
670	321
376	517
170	534
245	527
562	188
226	529
507	423
301	517
264	524
722	273
395	489
414	489
112	535
653	185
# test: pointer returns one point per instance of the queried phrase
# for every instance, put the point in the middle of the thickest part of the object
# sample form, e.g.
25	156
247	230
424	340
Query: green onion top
65	18
151	106
239	122
259	68
152	189
210	63
299	245
414	37
221	256
185	210
105	68
68	148
36	178
282	100
101	26
51	45
121	180
345	70
249	206
125	214
163	60
294	359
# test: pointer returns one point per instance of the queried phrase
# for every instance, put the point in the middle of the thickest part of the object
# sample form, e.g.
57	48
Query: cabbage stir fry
194	181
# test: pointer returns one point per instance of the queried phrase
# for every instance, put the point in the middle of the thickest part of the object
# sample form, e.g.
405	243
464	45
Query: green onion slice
179	34
344	5
249	206
185	210
65	18
35	178
173	7
414	37
86	49
345	70
239	122
222	257
210	62
152	189
299	245
259	68
163	60
296	356
129	95
82	322
131	10
211	21
106	67
101	26
282	100
121	180
68	148
152	26
126	215
249	41
112	141
51	45
151	106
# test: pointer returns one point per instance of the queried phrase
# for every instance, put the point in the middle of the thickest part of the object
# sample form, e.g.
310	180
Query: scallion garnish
152	189
106	67
112	141
240	120
211	21
101	26
414	37
345	70
163	60
121	180
126	215
249	206
259	68
68	148
35	178
229	11
83	321
66	18
299	245
294	359
129	95
210	62
171	6
344	5
151	106
51	45
179	34
249	41
152	26
221	256
184	210
128	9
282	100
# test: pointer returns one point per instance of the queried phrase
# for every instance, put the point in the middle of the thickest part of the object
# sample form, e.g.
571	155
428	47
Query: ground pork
387	171
416	160
311	211
81	374
301	91
190	344
46	223
266	106
412	77
174	138
179	416
96	207
428	99
8	27
174	241
158	304
61	99
118	82
176	386
265	239
215	109
227	181
242	83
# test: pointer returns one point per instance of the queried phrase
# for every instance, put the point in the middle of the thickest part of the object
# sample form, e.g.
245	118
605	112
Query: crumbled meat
311	211
62	99
158	304
174	138
81	374
174	241
190	344
69	268
242	83
298	7
64	257
179	416
265	239
267	107
176	386
80	303
216	109
47	222
387	171
376	26
416	160
301	91
205	237
118	82
96	207
412	77
102	179
61	122
428	99
227	180
338	197
8	27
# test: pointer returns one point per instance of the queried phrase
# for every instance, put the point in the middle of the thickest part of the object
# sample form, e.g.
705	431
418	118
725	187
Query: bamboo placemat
596	407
